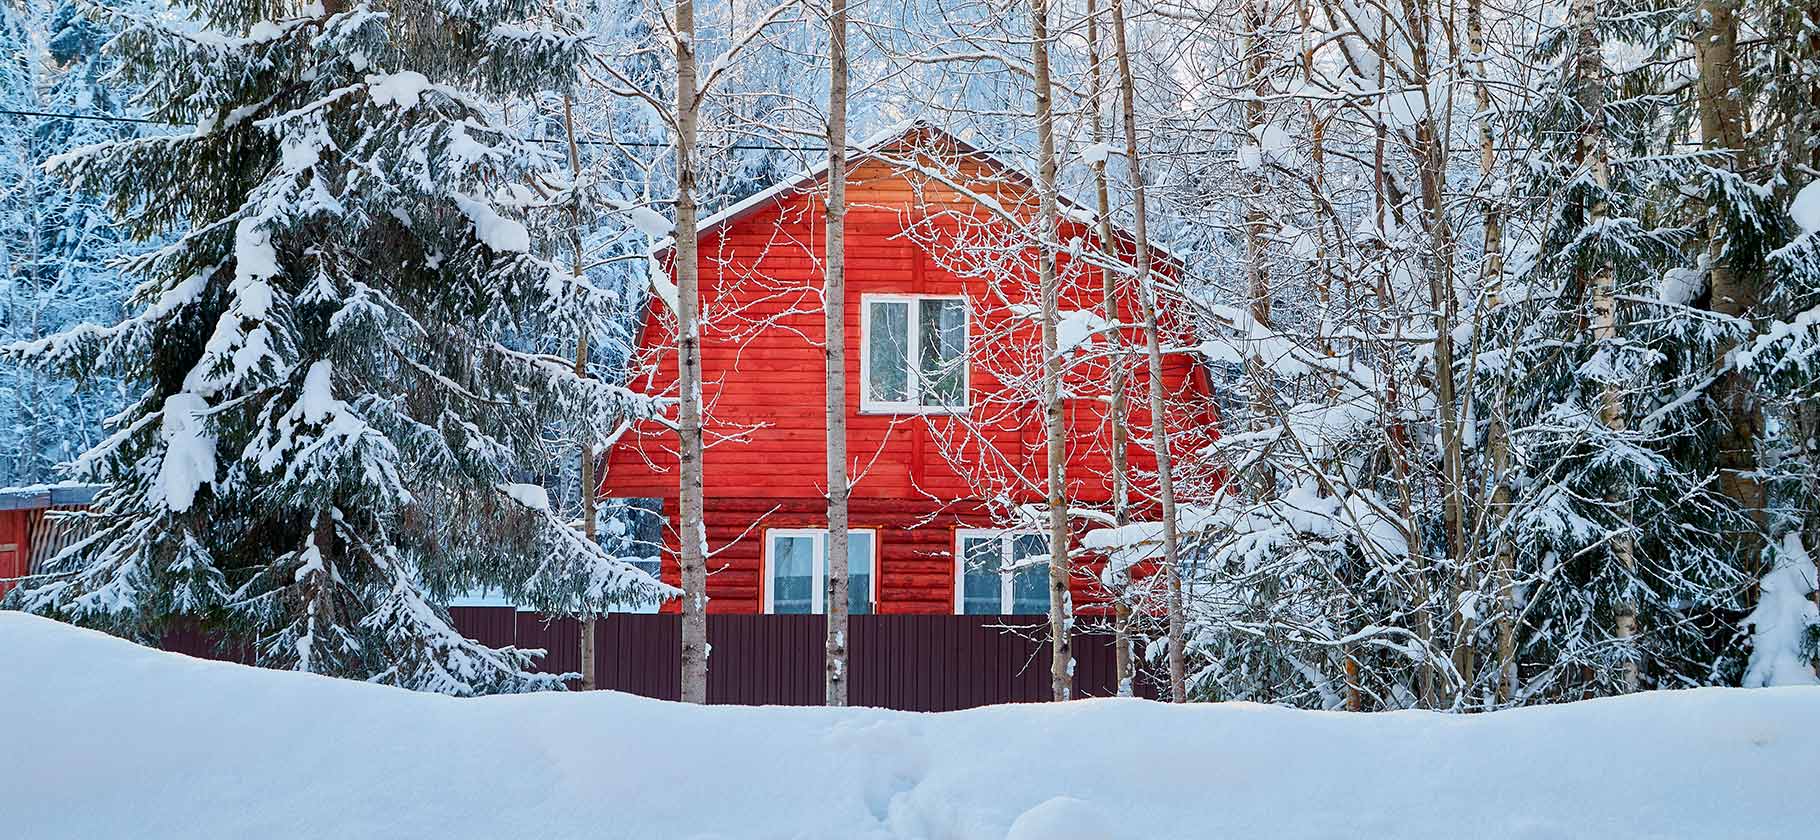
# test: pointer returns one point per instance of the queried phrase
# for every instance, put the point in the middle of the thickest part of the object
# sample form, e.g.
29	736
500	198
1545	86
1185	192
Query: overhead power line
756	147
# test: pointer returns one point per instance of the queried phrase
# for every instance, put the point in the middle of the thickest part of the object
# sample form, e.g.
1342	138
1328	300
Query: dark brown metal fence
913	662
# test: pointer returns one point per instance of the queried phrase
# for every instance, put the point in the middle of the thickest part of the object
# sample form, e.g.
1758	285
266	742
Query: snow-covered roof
38	496
871	147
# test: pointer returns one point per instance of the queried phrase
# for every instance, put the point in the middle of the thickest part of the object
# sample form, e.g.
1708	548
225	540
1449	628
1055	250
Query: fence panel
911	662
188	638
560	638
491	626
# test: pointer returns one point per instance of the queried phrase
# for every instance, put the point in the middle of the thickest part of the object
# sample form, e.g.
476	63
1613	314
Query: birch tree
1116	579
1602	286
693	534
834	348
1147	296
1061	607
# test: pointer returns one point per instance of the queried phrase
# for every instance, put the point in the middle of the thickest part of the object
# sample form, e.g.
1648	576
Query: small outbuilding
28	534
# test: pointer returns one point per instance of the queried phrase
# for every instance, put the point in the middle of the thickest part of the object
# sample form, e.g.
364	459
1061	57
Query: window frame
913	405
818	554
1006	538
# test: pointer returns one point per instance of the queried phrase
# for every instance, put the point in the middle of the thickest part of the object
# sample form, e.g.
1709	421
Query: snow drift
102	738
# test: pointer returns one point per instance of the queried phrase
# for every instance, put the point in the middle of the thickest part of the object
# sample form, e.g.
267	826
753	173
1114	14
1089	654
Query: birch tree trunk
1497	437
1159	430
1603	292
1324	275
1733	292
692	534
1115	411
1254	68
834	347
1430	151
1061	612
590	680
1387	215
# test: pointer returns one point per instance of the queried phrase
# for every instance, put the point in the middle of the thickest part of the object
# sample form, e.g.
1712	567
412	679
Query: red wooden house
27	536
946	433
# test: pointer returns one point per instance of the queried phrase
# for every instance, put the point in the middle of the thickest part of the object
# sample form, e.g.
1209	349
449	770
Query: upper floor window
796	571
913	353
990	577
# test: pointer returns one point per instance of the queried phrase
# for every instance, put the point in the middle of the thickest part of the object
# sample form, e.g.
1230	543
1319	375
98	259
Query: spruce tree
334	418
1623	578
1781	74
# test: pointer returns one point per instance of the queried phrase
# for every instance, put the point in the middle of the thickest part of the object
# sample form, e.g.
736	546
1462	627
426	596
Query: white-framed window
796	571
988	579
913	353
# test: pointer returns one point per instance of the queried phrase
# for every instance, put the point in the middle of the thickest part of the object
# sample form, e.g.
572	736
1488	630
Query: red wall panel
15	548
763	388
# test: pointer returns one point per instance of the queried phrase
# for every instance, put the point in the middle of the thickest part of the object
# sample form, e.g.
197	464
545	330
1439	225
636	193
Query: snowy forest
1511	308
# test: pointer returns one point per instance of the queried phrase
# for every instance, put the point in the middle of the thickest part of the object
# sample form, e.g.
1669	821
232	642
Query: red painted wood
15	548
763	387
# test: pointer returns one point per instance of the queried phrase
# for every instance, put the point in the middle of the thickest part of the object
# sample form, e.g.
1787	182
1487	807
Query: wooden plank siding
15	548
907	233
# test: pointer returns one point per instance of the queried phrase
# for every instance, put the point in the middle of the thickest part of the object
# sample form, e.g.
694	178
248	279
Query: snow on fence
926	663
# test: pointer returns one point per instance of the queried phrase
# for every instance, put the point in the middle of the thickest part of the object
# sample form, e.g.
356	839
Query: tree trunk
589	490
834	346
1497	438
1430	151
692	535
1808	414
1255	69
1115	411
1387	215
1317	182
1592	154
1061	611
1733	292
1159	430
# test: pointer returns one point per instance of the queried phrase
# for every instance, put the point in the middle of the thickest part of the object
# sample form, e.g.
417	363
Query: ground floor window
796	571
988	579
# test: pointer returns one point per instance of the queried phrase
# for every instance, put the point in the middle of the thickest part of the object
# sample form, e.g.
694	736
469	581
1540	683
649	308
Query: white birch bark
1602	288
1061	617
692	533
1115	409
834	344
1498	434
1159	430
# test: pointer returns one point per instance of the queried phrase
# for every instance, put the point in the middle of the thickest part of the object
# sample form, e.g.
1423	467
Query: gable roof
875	147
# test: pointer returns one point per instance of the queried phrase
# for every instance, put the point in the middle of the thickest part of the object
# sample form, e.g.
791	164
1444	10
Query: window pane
792	574
942	351
1030	585
859	572
888	352
982	590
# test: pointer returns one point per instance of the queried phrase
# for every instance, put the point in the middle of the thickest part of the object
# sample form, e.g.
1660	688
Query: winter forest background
1514	309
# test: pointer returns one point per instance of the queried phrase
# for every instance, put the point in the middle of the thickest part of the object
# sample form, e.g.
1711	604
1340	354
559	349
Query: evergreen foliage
335	421
1580	491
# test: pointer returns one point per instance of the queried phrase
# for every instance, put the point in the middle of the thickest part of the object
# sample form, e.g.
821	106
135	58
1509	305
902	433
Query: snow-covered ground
101	738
